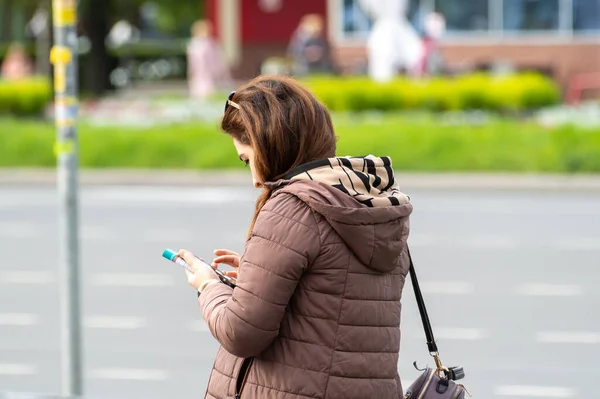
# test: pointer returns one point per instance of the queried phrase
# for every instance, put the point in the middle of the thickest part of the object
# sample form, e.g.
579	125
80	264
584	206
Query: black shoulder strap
422	310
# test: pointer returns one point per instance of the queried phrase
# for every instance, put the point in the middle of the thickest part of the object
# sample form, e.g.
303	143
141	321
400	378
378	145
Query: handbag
438	383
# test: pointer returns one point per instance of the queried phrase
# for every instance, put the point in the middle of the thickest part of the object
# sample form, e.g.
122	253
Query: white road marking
27	198
462	334
568	337
132	280
18	230
535	391
16	369
579	244
489	242
96	233
501	207
479	242
421	240
129	374
18	319
113	322
26	277
199	326
140	194
544	289
447	287
167	235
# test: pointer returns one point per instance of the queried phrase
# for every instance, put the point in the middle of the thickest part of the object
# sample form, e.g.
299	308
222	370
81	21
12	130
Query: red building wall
263	34
212	15
260	27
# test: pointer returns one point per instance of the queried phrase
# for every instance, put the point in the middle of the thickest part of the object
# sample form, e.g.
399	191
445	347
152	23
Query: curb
130	177
440	181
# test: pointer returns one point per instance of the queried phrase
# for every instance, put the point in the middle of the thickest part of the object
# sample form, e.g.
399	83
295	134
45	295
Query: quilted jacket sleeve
283	243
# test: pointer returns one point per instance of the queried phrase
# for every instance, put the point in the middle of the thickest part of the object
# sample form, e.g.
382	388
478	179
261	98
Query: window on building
357	23
472	15
492	17
586	15
530	15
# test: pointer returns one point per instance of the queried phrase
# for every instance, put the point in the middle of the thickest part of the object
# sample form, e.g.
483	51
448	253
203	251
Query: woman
207	67
316	310
16	65
309	49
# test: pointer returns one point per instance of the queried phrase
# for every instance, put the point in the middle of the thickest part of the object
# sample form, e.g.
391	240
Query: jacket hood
360	199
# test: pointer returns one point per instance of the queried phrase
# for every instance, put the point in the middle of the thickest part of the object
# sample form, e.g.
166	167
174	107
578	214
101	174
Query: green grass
417	142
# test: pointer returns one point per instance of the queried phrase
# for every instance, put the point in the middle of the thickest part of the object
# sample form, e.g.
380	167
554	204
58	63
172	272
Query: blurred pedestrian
309	48
316	309
394	45
17	64
432	62
207	67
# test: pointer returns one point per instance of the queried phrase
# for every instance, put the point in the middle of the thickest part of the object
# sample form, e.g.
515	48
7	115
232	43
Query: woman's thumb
185	255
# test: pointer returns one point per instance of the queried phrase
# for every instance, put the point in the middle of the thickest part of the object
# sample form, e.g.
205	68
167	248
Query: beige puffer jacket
316	312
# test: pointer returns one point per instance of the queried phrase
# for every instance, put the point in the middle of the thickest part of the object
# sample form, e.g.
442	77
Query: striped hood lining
369	180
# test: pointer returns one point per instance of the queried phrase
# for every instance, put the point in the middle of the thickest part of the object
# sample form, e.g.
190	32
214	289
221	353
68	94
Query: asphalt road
511	280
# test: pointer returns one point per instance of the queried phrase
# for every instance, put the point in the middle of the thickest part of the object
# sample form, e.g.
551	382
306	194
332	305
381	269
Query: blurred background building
559	37
147	39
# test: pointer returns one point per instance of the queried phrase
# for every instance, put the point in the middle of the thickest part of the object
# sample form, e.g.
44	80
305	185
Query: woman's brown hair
285	125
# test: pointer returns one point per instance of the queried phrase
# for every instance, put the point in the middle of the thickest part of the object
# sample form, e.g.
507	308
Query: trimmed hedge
415	143
26	96
510	93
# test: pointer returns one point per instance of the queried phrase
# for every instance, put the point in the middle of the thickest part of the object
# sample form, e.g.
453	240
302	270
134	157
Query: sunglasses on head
229	102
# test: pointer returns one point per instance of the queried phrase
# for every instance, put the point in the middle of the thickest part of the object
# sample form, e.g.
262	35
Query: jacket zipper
242	377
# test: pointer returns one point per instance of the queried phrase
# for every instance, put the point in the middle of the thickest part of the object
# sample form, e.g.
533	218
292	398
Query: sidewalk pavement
144	177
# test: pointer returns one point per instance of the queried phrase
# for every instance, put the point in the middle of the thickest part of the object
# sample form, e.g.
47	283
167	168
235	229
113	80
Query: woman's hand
203	275
227	257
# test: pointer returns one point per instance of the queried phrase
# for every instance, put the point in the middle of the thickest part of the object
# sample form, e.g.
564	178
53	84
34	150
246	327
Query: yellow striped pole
64	58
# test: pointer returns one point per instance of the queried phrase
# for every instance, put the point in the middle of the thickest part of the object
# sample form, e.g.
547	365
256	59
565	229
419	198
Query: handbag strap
433	349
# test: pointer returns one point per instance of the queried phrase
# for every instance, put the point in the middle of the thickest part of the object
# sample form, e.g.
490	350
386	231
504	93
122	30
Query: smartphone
230	281
173	257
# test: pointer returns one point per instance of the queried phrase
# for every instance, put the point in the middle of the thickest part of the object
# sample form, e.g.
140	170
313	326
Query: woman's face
246	154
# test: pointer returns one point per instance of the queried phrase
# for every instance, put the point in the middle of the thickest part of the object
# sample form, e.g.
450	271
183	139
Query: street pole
64	56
